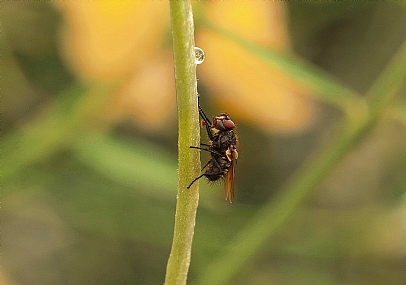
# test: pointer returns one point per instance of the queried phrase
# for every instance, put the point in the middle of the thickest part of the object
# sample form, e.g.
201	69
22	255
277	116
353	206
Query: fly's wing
232	156
229	183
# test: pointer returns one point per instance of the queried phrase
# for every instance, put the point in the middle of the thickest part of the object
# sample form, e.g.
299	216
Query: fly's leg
205	165
207	122
194	180
204	117
208	150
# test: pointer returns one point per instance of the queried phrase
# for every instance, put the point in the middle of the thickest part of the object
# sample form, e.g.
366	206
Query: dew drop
199	55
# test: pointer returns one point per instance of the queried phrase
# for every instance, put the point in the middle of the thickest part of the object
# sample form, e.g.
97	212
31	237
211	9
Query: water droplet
199	55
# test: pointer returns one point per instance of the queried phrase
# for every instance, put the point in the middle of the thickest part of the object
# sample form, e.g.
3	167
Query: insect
223	151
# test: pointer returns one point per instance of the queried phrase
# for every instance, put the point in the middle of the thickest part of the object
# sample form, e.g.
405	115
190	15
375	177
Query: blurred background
89	140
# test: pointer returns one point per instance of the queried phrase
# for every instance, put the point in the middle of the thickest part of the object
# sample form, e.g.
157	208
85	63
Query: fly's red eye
229	124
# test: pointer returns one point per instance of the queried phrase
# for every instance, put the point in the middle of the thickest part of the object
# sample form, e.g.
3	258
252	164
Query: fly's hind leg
194	180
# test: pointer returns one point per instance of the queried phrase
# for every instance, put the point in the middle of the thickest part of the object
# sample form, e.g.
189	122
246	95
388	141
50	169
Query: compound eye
228	124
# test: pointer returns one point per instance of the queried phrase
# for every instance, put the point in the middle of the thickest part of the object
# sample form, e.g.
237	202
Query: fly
223	151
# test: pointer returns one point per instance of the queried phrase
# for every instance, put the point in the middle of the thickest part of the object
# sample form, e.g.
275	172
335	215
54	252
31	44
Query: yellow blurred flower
127	42
243	84
122	42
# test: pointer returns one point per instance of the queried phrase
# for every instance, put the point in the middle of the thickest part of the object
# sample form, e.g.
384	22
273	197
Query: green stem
281	210
188	134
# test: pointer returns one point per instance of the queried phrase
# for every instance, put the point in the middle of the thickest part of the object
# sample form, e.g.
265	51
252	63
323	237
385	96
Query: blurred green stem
318	83
279	211
188	134
52	129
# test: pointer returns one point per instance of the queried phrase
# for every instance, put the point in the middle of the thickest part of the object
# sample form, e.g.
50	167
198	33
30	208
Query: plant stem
188	134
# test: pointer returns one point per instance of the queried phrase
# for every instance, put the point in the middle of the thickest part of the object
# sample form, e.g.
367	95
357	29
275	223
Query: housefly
223	151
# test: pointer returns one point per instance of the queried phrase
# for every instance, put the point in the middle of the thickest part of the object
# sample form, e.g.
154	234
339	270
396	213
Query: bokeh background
89	140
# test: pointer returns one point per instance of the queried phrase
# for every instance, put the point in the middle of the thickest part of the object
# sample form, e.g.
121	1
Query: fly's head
223	123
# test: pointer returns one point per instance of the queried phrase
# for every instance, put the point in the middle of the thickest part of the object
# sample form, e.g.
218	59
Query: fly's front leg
207	123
